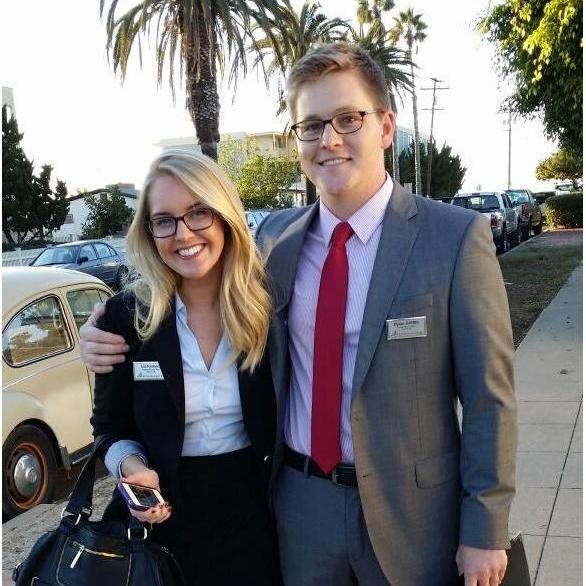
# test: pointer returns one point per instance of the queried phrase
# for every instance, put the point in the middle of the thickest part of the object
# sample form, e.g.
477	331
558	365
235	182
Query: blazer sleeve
483	365
112	419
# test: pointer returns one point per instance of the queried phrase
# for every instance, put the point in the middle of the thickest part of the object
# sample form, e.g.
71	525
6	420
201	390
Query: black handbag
517	573
81	552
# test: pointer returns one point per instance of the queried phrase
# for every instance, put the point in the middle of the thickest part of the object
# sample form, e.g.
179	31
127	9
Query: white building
78	211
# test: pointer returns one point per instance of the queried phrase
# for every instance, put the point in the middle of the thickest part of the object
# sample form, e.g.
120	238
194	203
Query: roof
20	283
80	243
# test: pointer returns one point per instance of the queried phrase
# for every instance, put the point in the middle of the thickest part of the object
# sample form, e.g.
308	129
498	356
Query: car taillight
524	209
493	220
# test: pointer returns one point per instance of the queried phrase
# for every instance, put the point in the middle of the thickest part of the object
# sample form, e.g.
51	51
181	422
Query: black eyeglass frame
176	219
330	121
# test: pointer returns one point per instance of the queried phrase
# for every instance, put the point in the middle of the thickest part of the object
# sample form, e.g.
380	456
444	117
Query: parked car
47	392
93	257
562	188
254	219
530	216
496	207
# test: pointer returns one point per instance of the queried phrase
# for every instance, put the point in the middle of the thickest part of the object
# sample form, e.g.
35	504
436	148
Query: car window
37	331
104	296
480	203
54	256
88	251
518	197
103	250
82	303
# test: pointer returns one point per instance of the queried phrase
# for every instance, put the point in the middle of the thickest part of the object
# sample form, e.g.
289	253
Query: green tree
539	47
380	44
108	214
410	27
51	207
264	181
30	208
204	34
233	153
447	173
561	165
294	34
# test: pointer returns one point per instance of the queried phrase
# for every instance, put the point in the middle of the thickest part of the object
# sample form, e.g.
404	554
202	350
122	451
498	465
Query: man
388	309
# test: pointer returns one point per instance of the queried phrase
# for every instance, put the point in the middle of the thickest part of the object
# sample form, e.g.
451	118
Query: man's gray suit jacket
425	484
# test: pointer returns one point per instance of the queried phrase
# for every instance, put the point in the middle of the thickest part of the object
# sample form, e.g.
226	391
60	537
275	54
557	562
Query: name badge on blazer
147	371
406	327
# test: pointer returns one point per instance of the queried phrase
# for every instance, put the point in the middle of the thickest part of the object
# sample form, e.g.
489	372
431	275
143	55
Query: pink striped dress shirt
361	249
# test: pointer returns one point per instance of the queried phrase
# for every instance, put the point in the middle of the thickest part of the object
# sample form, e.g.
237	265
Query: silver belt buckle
334	476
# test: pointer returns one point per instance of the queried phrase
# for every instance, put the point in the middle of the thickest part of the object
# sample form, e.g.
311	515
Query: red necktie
328	351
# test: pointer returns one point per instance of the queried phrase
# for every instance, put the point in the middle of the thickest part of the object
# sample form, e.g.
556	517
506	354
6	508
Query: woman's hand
135	472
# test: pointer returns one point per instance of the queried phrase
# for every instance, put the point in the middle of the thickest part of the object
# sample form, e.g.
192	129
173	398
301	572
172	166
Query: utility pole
510	131
430	146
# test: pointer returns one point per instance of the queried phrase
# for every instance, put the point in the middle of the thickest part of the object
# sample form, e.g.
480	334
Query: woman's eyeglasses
196	219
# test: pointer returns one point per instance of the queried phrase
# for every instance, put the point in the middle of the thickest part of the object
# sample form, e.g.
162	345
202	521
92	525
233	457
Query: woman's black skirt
220	529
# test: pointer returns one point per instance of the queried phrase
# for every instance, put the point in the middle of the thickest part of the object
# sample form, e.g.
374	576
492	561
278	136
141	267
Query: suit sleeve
112	417
483	351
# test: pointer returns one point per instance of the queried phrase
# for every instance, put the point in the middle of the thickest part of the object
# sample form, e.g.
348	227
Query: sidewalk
548	505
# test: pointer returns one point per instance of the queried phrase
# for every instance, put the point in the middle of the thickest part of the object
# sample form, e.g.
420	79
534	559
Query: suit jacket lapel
397	238
168	351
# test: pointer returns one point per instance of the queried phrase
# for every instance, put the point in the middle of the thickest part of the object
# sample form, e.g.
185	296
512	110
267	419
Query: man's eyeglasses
196	219
344	123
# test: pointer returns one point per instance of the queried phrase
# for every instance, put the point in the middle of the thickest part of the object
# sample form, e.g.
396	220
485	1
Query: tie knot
341	234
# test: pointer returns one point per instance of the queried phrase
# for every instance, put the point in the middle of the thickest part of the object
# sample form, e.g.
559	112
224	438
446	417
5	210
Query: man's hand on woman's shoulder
100	350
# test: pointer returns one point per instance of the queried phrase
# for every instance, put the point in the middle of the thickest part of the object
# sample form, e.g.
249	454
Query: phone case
132	496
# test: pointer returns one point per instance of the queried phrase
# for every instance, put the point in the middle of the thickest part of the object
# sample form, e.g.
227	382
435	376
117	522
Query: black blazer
153	412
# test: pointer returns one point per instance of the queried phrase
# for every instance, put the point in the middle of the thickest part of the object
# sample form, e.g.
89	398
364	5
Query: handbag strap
80	501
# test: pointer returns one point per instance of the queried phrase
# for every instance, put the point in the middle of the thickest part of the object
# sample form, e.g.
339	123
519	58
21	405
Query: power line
435	88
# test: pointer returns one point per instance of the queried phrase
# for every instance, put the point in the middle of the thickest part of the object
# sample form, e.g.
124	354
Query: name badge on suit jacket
147	371
406	327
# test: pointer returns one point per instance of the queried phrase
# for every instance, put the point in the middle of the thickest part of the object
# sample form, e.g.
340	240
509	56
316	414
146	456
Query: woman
191	411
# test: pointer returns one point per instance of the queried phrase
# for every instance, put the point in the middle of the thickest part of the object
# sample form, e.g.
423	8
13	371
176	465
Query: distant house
78	211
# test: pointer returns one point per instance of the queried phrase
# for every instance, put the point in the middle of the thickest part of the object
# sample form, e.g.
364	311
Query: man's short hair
332	57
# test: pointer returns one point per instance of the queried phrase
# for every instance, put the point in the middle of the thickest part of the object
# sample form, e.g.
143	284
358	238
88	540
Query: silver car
498	209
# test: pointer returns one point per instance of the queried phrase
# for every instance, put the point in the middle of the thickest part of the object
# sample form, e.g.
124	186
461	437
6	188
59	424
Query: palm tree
294	34
202	32
380	45
410	28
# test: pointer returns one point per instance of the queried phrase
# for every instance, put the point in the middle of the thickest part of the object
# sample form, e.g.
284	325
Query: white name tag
406	327
147	371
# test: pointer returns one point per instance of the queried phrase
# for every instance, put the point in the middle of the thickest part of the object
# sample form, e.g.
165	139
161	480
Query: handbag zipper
81	548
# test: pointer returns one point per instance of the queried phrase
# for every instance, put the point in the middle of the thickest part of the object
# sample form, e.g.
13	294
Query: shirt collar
364	221
179	305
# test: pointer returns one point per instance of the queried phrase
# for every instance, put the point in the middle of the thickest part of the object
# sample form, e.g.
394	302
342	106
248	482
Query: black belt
342	475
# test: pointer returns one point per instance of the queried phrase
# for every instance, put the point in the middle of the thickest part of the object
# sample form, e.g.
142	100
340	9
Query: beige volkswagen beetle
47	392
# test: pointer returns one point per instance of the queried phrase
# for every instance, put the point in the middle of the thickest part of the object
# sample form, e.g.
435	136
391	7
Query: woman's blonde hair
244	301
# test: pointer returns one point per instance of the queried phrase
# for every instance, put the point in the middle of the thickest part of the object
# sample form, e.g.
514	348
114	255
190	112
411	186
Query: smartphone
140	498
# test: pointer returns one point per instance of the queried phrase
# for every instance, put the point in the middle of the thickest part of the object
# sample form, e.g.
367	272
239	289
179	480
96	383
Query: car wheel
121	277
29	470
537	229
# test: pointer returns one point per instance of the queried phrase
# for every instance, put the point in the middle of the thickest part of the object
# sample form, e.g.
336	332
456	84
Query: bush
565	211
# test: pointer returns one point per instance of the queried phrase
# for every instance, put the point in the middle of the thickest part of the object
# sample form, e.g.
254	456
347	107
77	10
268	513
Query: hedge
565	211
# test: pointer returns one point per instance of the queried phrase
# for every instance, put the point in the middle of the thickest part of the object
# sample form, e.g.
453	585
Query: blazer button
266	458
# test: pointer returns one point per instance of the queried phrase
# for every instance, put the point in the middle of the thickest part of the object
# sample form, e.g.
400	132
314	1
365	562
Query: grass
534	274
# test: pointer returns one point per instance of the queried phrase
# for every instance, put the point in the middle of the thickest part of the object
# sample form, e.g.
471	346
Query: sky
77	115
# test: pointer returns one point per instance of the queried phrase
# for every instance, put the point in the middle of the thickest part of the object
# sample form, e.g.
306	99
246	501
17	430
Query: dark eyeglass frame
330	121
176	219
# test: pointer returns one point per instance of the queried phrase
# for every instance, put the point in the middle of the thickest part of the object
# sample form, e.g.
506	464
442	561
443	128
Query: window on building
68	219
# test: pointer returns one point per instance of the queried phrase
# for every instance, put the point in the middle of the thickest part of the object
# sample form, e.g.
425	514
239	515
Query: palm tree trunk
394	146
416	135
203	101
